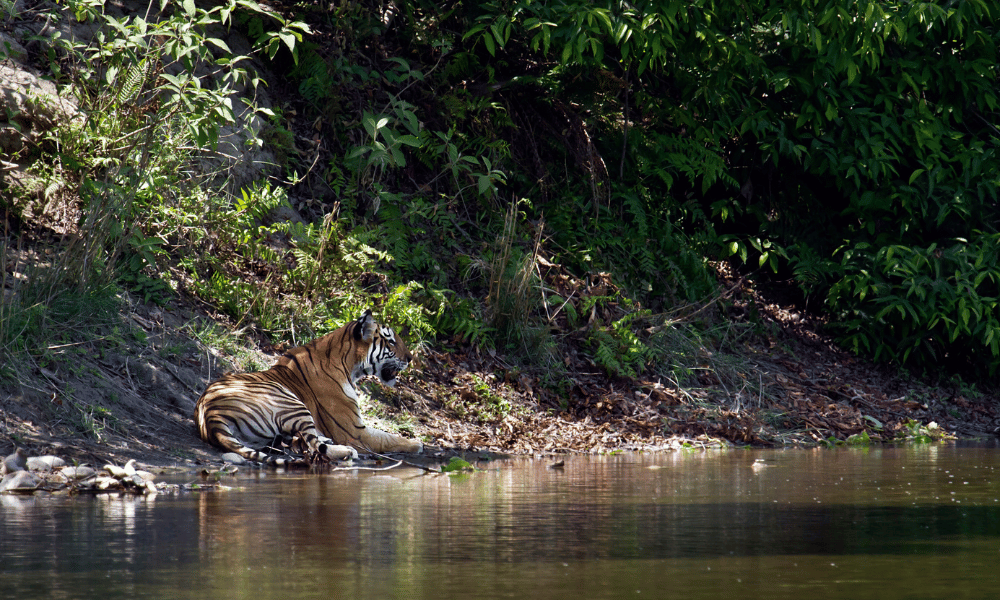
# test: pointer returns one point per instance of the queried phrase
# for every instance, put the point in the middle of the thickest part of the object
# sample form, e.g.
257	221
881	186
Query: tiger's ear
364	327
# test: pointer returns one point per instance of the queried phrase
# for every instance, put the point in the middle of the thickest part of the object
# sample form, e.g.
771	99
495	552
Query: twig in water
405	462
398	462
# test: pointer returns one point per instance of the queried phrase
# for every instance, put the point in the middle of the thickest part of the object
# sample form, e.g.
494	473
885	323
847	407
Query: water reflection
902	522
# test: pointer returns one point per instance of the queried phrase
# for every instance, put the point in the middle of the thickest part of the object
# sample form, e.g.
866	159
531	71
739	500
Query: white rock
77	472
11	48
19	481
37	105
105	483
233	458
45	463
115	470
15	461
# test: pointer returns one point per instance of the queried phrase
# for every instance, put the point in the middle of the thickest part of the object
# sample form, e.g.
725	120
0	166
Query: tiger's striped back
310	394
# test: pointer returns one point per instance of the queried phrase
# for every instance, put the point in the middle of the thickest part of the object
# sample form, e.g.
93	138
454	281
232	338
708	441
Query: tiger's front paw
335	452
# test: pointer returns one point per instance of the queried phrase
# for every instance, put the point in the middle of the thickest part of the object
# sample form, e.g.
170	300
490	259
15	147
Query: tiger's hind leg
295	421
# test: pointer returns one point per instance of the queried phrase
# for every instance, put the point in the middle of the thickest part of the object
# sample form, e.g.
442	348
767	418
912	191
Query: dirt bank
130	391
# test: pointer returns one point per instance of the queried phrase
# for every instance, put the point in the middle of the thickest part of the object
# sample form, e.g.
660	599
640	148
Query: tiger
310	396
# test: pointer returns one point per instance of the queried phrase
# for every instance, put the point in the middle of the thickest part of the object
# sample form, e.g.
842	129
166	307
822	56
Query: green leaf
397	156
496	28
457	465
409	140
859	439
219	44
189	8
566	53
875	422
604	17
475	29
852	72
289	40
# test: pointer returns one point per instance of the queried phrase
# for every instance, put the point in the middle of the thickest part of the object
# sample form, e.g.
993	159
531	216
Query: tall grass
45	300
514	290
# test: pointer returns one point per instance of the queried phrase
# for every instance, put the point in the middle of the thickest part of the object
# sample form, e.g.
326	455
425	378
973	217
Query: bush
929	306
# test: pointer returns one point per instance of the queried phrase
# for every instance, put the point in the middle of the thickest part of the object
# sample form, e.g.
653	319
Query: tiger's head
381	351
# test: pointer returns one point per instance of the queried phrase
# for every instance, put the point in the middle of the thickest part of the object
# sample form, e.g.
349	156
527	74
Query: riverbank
129	393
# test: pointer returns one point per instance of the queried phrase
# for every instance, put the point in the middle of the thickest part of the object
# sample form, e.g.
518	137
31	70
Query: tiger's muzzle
390	370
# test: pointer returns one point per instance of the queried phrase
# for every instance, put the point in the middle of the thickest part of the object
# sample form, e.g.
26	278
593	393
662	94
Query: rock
284	213
146	476
233	458
11	48
45	463
15	461
108	483
77	472
29	107
20	481
117	471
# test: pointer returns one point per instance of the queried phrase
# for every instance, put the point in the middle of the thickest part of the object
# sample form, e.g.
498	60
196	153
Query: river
914	521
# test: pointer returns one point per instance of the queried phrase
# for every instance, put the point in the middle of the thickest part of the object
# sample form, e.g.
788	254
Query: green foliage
490	405
934	305
138	271
618	349
401	311
645	246
261	20
865	126
894	112
384	147
849	145
859	439
45	306
144	89
454	316
468	167
479	401
917	432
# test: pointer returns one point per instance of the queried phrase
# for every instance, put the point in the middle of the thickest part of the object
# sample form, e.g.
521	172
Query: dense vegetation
523	175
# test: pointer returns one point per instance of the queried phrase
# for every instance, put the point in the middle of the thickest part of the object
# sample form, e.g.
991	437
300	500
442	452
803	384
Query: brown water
910	522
